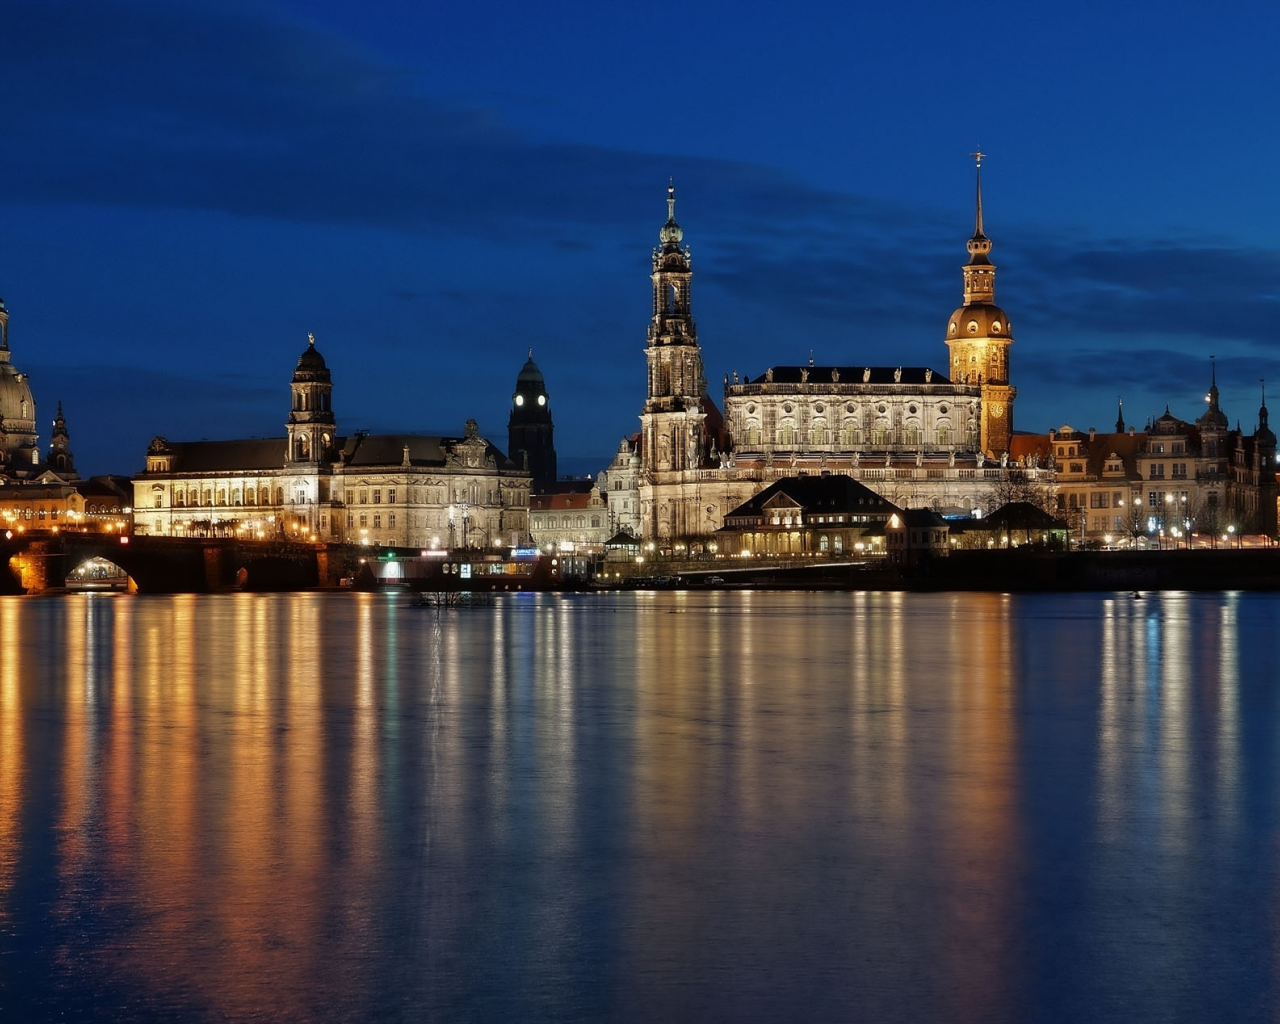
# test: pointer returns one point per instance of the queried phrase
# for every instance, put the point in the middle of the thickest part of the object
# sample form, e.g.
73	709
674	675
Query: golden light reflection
12	752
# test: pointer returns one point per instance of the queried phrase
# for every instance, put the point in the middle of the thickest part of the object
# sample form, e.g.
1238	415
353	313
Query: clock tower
530	432
978	340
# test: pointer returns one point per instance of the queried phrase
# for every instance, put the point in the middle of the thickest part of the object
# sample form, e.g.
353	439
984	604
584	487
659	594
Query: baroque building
1175	481
918	437
402	490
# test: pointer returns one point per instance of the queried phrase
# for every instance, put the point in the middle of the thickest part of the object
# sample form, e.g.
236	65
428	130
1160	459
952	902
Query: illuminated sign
524	552
466	570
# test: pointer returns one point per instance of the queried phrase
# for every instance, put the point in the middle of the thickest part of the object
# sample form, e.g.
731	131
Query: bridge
35	563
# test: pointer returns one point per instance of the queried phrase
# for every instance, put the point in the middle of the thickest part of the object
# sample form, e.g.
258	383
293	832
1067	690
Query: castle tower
530	432
311	425
979	336
672	418
61	460
1213	424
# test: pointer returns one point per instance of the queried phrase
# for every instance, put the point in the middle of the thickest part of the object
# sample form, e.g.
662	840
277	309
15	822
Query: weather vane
978	155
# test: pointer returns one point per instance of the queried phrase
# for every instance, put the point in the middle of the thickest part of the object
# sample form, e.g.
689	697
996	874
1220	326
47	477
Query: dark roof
834	492
229	456
914	375
1022	515
359	450
918	517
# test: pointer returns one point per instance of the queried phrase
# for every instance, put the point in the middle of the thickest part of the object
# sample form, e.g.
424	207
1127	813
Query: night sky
188	189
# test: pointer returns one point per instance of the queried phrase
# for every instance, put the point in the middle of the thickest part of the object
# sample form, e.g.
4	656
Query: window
1157	471
351	520
377	520
1099	499
364	497
1117	499
351	497
364	517
377	495
1151	499
391	496
391	521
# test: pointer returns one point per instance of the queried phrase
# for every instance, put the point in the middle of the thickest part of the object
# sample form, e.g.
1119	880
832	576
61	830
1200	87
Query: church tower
311	425
672	418
672	421
530	432
61	460
978	338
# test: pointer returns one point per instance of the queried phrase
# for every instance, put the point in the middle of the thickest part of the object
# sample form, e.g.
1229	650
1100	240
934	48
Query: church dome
978	320
17	406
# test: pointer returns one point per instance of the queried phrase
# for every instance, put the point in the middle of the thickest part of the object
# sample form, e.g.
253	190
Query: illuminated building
403	490
832	514
1170	483
911	433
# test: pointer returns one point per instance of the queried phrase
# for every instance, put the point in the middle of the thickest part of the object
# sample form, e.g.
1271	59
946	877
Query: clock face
997	410
542	399
519	399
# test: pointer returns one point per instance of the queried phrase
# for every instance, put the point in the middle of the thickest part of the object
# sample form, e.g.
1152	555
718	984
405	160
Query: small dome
311	364
979	320
529	373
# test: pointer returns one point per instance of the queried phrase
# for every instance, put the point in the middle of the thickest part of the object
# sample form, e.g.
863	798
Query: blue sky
188	189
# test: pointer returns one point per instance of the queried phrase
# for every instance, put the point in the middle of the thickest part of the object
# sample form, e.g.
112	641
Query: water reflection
675	806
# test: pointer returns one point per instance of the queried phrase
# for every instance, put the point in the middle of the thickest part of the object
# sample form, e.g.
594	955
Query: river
705	806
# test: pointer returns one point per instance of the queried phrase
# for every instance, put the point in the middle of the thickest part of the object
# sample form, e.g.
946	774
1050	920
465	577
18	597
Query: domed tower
530	432
61	460
672	418
19	451
311	424
979	336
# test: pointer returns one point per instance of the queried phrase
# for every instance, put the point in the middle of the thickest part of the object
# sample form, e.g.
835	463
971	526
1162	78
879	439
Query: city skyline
188	191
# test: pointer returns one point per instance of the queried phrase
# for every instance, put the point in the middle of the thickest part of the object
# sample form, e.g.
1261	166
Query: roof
918	517
560	500
1021	515
913	375
358	451
835	492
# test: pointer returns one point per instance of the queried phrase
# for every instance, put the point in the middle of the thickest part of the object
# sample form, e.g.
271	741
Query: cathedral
917	436
402	490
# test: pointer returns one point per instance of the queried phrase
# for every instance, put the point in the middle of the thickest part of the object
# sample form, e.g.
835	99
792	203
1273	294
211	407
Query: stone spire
980	274
60	457
671	234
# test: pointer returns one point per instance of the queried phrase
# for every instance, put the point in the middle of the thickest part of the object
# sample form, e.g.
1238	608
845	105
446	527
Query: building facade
913	434
407	490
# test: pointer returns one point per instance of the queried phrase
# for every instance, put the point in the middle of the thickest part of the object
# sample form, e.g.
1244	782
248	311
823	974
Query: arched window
822	543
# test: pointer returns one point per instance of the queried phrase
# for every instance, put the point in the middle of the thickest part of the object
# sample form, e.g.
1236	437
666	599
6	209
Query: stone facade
410	490
915	435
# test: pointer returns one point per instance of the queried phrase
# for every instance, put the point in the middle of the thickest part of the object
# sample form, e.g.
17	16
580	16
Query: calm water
638	807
